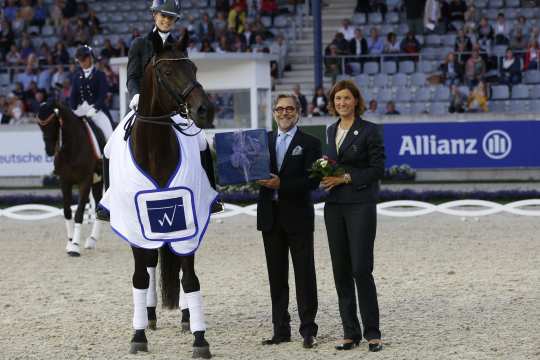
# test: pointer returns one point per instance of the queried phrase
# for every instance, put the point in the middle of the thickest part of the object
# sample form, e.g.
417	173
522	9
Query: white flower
323	163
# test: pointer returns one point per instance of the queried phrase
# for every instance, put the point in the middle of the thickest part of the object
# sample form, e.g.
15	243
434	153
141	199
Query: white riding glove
91	111
82	109
134	102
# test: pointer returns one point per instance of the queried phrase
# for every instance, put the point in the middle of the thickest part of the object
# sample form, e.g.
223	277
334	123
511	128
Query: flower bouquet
325	167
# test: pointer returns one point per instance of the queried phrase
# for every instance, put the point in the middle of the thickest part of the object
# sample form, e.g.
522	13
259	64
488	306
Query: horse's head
50	124
172	75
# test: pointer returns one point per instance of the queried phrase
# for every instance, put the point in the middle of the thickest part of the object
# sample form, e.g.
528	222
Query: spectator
121	49
60	53
391	46
379	6
223	45
220	24
26	12
70	9
372	107
461	38
521	23
13	57
41	13
341	44
319	102
15	109
4	117
332	63
7	38
472	18
518	42
44	77
391	108
237	19
93	23
457	100
280	48
206	47
67	33
26	49
239	45
222	6
477	99
375	43
457	9
502	30
26	77
269	8
206	28
56	13
58	77
108	51
475	69
414	11
301	99
259	44
192	47
532	56
10	10
346	29
432	15
410	45
358	47
485	34
65	91
452	70
510	69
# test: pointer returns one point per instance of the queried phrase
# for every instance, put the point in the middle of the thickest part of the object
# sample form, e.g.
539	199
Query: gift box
242	156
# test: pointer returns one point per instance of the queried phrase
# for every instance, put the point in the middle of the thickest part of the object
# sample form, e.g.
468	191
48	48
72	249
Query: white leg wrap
196	314
76	234
182	298
96	229
140	315
151	295
69	228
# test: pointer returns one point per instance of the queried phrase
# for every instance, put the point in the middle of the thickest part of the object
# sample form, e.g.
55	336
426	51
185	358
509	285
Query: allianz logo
496	145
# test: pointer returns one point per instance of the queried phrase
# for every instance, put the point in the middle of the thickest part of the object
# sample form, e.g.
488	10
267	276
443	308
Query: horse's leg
71	248
91	241
140	289
184	322
151	295
192	288
84	191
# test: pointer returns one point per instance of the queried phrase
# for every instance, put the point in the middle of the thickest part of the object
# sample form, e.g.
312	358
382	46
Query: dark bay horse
169	86
76	163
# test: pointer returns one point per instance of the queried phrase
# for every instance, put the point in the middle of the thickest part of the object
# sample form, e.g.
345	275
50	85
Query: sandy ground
448	289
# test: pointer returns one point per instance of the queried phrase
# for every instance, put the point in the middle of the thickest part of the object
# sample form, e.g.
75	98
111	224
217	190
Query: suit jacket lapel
294	142
332	152
351	136
273	162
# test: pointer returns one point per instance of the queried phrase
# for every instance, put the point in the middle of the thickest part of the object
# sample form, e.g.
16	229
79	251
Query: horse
67	138
169	86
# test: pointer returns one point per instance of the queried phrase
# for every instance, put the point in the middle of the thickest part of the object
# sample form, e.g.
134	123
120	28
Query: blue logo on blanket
166	215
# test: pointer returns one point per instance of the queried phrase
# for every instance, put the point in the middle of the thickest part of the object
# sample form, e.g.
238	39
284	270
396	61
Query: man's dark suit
350	215
287	224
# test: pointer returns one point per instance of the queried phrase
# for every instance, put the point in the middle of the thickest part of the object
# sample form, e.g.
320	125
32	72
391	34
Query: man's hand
272	183
329	182
134	102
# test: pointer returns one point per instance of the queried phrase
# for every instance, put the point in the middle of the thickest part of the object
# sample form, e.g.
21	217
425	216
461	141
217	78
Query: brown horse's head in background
170	85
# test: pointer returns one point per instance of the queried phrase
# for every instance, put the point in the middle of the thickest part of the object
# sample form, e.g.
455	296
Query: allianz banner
486	144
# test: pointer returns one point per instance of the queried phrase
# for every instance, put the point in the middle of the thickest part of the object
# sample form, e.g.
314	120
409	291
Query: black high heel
374	347
348	345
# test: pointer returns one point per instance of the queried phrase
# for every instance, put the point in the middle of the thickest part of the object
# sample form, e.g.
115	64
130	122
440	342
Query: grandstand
416	82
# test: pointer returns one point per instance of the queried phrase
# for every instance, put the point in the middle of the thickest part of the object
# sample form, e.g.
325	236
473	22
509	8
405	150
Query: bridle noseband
55	115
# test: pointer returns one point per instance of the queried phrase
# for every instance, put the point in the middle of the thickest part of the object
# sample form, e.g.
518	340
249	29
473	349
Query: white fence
400	208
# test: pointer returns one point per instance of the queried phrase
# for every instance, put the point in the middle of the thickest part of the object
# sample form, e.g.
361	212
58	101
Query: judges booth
239	85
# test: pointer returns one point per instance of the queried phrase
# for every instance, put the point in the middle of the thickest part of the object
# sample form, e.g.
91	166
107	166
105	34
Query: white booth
239	85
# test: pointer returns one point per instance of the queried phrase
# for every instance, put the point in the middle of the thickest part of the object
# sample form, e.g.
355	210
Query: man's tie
281	148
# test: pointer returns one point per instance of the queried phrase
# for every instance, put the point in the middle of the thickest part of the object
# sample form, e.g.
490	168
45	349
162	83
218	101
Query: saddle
96	137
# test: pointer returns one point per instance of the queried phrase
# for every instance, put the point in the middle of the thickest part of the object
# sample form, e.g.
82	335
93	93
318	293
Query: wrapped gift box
242	156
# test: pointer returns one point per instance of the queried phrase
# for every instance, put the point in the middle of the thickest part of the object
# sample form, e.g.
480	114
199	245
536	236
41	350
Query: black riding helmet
83	52
167	7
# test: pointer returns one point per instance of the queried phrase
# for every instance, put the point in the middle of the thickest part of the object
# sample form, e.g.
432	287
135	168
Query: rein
54	116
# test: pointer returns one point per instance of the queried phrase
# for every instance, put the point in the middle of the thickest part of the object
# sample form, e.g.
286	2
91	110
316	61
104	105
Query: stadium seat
442	93
534	106
497	106
4	79
400	80
375	18
500	92
448	40
389	67
359	19
499	50
532	77
512	3
496	4
464	90
281	21
535	92
381	80
480	4
418	79
519	106
520	92
404	94
403	28
426	66
423	94
385	95
392	18
362	80
406	67
433	40
403	108
371	68
419	107
439	108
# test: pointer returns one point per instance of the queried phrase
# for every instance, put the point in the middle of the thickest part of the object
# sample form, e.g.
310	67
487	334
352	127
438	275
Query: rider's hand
134	102
91	111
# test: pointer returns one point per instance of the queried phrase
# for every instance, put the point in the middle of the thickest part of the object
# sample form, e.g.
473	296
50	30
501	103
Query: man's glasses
281	110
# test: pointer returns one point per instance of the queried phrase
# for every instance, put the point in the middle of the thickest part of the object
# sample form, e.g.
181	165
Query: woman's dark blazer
362	156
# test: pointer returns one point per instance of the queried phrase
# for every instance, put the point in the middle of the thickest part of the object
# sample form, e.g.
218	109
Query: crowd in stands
37	69
486	52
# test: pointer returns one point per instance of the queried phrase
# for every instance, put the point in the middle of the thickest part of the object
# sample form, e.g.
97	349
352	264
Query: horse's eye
168	72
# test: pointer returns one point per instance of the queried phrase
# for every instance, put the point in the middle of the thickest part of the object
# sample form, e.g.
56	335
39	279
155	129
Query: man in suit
285	215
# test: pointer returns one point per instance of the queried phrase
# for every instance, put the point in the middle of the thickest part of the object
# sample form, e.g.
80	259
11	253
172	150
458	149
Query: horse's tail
170	277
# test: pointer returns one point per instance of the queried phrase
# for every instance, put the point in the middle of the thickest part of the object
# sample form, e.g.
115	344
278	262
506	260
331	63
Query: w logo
166	215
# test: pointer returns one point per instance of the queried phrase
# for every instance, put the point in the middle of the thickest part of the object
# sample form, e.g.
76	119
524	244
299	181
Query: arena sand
448	289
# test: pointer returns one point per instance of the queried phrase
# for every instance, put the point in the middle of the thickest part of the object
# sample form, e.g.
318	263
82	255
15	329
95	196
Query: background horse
75	162
169	85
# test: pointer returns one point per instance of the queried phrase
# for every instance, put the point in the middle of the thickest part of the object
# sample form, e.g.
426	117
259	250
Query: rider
89	90
166	13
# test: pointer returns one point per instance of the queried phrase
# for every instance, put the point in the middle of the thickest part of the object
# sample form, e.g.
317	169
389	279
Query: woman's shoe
375	345
347	344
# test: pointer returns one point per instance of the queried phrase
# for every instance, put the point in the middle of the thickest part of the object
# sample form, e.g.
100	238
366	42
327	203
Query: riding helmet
167	7
84	51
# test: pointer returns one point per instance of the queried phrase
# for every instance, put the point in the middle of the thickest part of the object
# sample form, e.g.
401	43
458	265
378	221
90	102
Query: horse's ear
182	44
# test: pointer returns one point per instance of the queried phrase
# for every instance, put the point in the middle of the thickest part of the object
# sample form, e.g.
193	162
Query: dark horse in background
76	163
169	86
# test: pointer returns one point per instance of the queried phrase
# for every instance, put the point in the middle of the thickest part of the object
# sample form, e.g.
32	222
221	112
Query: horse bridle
55	115
180	99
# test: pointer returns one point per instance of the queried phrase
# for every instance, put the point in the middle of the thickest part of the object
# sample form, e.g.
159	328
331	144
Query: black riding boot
102	213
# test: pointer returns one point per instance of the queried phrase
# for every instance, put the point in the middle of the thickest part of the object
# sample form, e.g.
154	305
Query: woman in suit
350	213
